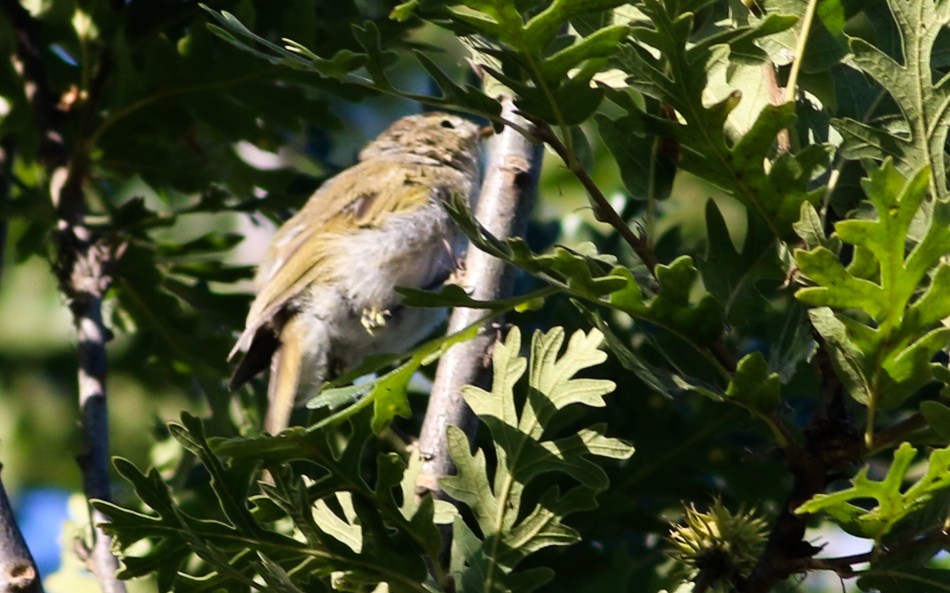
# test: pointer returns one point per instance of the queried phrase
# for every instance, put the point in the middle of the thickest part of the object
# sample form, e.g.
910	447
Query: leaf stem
602	208
869	427
650	224
897	432
791	84
782	437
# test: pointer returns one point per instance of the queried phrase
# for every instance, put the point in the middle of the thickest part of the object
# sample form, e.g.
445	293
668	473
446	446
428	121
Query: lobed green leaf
512	528
918	139
893	501
881	313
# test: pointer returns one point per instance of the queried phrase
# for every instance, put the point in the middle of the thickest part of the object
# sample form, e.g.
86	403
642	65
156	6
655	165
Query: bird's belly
361	313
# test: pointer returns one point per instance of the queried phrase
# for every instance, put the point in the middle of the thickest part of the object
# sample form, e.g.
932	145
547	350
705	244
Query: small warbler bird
326	288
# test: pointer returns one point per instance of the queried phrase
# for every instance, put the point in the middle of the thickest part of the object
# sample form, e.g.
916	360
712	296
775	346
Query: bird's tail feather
284	376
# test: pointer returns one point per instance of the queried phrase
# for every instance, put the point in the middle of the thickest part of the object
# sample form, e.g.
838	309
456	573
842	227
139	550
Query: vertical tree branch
85	283
504	204
81	264
18	572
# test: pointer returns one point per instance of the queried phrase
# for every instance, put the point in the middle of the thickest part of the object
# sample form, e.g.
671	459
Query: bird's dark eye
447	124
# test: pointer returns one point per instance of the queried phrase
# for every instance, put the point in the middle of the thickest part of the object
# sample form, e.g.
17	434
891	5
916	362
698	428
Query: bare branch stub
18	572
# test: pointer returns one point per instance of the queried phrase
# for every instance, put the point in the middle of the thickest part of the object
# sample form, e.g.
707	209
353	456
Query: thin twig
895	433
843	566
82	267
85	286
791	86
603	211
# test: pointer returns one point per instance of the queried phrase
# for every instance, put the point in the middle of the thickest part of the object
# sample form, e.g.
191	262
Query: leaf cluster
884	358
333	519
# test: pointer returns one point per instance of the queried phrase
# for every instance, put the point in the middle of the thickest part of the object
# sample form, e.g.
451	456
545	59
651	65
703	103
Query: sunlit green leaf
884	357
893	500
514	526
664	65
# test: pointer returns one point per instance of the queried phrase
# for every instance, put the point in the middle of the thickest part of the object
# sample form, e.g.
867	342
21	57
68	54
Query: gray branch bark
81	263
504	205
18	573
82	266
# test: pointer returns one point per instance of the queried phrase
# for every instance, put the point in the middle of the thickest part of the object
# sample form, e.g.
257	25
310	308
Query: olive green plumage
326	286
